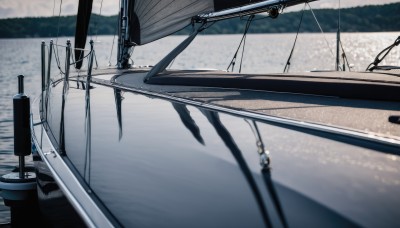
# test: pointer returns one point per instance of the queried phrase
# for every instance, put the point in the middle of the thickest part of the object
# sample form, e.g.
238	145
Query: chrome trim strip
280	120
259	7
69	184
254	8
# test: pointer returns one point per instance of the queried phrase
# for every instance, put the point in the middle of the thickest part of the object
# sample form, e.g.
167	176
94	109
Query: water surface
264	53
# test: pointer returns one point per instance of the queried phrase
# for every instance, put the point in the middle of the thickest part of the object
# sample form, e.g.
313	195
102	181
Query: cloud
46	8
6	11
40	8
349	3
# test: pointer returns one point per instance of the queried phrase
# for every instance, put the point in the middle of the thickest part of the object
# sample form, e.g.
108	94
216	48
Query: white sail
150	20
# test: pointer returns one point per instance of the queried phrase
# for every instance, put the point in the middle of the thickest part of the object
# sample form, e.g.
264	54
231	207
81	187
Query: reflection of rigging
118	105
226	137
64	94
188	121
264	154
88	131
88	121
266	171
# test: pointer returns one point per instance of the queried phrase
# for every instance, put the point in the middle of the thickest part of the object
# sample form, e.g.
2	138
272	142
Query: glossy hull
132	158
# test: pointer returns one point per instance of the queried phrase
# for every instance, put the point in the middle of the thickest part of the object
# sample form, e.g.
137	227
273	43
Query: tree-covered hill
380	18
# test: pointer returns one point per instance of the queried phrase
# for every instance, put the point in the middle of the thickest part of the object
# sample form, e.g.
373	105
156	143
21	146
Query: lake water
264	53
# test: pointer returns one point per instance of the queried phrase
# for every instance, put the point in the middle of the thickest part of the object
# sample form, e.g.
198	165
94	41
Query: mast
123	36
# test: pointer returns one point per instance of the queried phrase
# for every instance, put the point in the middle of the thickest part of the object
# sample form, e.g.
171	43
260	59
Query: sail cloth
81	30
150	20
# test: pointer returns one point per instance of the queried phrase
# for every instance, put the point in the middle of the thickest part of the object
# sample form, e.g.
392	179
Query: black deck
363	114
368	86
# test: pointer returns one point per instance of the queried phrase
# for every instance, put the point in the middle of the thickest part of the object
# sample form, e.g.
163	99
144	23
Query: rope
378	58
243	40
287	66
86	56
57	58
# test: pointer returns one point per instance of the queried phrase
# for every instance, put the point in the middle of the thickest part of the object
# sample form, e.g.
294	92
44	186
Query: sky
39	8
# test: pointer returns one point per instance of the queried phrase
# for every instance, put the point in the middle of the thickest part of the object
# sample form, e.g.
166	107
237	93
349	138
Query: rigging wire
95	59
338	42
94	29
115	33
244	44
58	23
322	31
193	30
344	56
243	40
55	50
287	66
57	58
54	6
172	62
97	21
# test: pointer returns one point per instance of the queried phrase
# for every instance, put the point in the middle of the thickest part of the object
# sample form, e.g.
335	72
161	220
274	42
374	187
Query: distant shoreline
304	33
376	18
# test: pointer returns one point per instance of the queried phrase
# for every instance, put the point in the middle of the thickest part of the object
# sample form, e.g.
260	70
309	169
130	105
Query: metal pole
49	64
22	138
121	32
338	43
123	36
126	25
48	79
43	75
43	65
20	84
68	59
344	62
90	61
21	167
21	158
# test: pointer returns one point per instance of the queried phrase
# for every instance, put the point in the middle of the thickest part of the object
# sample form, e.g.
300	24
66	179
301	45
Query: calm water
263	53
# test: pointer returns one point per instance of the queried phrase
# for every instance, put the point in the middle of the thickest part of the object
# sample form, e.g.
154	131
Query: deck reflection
153	158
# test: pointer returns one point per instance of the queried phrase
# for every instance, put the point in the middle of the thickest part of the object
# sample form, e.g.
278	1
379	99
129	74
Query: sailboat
156	147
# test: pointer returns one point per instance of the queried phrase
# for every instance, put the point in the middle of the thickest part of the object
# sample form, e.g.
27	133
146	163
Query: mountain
381	18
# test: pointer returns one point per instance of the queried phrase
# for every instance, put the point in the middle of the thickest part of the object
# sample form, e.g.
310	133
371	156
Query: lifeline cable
233	61
115	32
287	66
101	6
320	28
